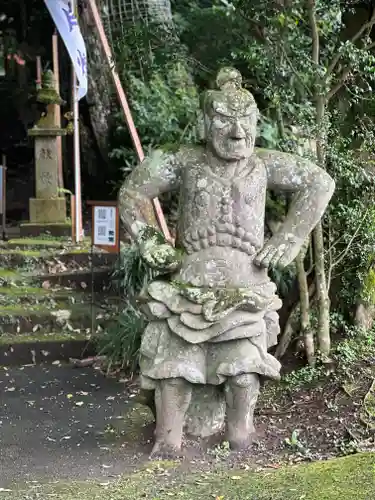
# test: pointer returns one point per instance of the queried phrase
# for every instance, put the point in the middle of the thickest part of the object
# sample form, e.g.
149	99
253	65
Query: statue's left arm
312	188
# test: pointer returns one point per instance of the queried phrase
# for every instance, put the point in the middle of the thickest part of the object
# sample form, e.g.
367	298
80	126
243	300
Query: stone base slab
30	230
52	210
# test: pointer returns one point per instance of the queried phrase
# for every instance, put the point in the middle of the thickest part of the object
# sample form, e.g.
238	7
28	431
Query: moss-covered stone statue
213	320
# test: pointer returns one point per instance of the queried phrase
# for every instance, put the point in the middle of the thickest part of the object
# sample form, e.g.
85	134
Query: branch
354	38
314	30
344	253
339	84
294	70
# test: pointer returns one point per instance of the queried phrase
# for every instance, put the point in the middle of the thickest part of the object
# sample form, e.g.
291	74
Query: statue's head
230	117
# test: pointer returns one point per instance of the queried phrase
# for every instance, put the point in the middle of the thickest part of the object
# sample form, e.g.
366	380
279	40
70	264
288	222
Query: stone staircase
47	311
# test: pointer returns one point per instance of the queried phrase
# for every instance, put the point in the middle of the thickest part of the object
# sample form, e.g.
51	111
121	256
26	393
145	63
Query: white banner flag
67	24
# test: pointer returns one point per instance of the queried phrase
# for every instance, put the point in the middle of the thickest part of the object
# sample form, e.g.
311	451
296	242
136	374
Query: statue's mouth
237	144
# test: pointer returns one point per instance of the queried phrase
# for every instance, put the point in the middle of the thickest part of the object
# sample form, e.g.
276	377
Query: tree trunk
305	307
99	85
160	11
324	336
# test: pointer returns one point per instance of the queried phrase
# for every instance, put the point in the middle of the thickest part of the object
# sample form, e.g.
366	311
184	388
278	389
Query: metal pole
126	109
77	159
4	209
77	164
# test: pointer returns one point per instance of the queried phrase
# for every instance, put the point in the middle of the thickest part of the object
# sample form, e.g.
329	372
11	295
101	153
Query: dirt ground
60	423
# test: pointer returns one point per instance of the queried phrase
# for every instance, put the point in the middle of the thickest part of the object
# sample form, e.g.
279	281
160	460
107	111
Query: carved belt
218	234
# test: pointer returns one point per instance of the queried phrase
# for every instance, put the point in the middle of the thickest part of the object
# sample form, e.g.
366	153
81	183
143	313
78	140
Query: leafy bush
121	342
131	273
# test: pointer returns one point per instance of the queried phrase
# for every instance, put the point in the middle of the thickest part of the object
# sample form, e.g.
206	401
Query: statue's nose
237	131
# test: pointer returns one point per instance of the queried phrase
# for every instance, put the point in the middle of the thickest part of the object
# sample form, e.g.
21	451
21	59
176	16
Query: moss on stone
23	253
21	291
51	242
7	338
340	479
9	274
77	311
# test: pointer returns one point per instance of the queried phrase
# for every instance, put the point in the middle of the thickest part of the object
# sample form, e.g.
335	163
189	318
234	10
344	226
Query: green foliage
132	273
121	342
162	94
349	355
368	291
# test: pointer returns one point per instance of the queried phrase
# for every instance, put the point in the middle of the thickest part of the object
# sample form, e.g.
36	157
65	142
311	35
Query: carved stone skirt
179	343
207	363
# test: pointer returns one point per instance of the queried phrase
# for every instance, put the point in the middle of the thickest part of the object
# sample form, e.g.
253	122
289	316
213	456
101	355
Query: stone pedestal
206	414
47	207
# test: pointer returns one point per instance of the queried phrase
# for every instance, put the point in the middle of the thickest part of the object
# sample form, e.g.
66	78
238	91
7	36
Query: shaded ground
340	479
55	423
61	423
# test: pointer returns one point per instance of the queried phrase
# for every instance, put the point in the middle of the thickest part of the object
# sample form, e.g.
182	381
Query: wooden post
125	107
38	72
3	201
73	215
56	72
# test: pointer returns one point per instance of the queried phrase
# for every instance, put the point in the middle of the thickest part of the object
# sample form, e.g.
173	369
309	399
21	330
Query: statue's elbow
328	186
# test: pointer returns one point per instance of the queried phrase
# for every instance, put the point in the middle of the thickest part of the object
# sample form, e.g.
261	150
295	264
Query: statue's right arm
157	174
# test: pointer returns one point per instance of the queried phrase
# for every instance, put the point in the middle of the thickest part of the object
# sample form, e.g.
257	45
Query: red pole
56	72
125	107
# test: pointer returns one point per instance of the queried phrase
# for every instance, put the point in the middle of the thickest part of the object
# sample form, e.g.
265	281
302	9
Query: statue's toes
164	451
242	443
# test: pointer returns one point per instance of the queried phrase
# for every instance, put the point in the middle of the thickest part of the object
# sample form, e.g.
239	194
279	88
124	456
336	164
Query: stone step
77	280
101	279
28	295
76	318
42	243
11	258
39	348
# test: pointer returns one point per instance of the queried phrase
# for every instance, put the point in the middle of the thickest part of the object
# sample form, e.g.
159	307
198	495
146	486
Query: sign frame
115	248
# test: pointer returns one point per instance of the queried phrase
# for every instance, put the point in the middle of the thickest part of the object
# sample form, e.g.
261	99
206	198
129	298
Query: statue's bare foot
164	451
242	443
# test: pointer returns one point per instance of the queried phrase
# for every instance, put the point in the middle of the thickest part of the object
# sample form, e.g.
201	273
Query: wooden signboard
105	232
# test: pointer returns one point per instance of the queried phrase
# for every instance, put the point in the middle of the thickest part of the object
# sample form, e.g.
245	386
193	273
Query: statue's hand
163	257
280	251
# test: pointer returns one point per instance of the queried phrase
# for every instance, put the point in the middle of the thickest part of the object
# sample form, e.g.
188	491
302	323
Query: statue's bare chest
232	208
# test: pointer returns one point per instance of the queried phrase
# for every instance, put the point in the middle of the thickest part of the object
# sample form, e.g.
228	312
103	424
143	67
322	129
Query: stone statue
214	317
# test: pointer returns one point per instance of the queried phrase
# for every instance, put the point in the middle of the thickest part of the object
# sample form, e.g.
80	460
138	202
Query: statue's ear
201	126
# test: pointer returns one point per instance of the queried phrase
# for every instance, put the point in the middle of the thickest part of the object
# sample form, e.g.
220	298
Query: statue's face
231	136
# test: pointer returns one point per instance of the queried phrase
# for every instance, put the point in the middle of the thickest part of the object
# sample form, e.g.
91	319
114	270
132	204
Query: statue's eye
219	122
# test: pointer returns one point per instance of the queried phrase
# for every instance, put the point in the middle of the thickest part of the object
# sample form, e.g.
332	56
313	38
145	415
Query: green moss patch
37	242
24	253
340	479
8	274
77	311
21	291
7	338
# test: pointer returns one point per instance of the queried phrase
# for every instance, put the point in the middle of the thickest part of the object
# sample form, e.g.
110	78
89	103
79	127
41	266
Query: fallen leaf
10	389
236	478
79	403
